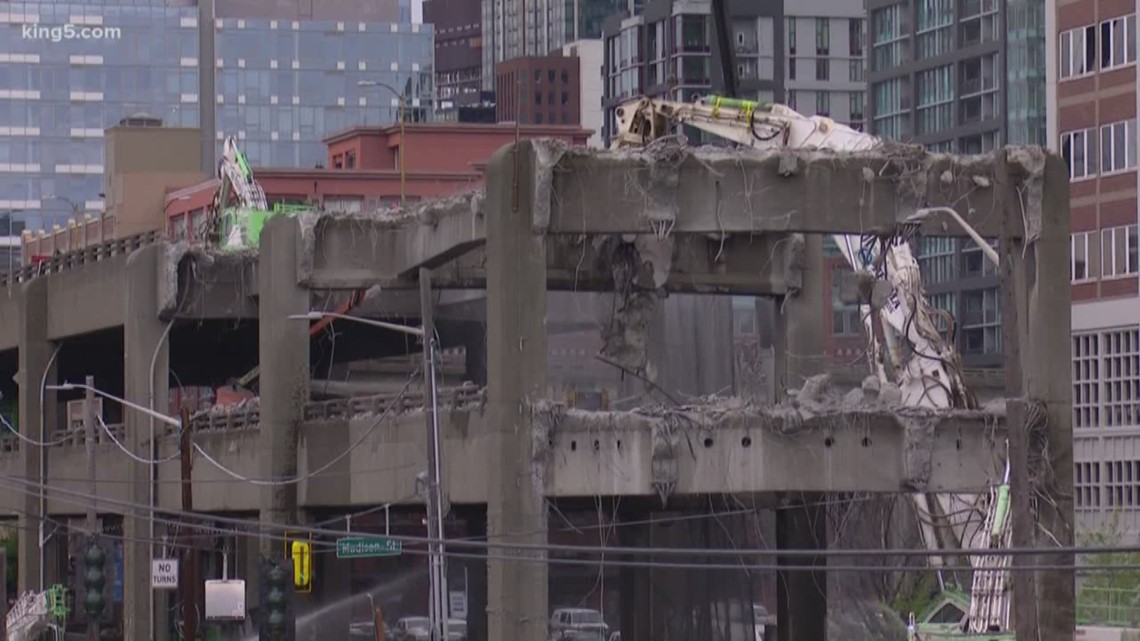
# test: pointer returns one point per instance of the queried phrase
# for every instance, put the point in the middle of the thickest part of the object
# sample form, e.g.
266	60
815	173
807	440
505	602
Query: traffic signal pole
189	583
92	518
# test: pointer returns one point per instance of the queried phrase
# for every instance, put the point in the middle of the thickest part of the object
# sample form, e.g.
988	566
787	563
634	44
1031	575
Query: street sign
358	548
163	574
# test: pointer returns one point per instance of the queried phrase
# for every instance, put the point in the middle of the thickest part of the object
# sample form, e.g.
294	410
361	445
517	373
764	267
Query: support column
1035	283
801	597
636	584
284	382
799	331
37	422
146	367
516	377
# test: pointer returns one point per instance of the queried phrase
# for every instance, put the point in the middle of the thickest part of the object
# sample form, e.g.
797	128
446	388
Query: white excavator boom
912	353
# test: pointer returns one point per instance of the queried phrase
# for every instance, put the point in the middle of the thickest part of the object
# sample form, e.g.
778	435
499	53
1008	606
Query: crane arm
912	353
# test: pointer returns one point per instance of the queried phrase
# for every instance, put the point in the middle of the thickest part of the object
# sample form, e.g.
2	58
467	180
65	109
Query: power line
131	454
606	550
652	564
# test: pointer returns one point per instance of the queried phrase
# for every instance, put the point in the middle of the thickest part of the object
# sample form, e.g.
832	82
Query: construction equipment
36	612
906	347
237	228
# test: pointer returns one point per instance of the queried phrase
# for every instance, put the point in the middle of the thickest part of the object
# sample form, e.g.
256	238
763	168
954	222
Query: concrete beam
86	298
689	264
205	286
340	252
712	191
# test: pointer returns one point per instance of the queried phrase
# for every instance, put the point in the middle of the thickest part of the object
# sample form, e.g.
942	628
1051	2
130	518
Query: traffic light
276	588
299	548
302	566
93	581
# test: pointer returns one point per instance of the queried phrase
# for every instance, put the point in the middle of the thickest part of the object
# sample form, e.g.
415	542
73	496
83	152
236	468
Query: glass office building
67	72
283	86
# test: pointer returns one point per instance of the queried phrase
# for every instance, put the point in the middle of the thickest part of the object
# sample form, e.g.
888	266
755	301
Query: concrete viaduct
671	219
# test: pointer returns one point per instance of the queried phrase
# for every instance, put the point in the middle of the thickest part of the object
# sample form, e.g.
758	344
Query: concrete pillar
801	597
636	585
799	328
284	382
146	366
35	359
1035	286
475	517
516	376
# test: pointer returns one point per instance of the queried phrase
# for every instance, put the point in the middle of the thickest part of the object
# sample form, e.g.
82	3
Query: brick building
538	90
1094	65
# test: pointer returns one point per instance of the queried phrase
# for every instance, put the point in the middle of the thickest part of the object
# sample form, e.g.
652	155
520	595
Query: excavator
906	347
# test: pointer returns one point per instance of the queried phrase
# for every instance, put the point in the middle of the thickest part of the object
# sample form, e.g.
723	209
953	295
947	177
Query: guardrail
249	416
79	257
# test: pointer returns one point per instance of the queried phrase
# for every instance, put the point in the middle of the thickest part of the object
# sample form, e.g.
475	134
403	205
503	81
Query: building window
1085	256
745	322
975	263
1106	378
979	22
792	36
856	102
1118	42
981	322
936	259
1078	51
855	35
1118	146
845	318
1120	488
1078	148
823	69
934	32
822	37
1119	249
822	103
350	160
935	100
1086	484
889	111
855	71
889	34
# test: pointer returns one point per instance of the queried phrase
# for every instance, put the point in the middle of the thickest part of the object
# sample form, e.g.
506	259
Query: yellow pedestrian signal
301	551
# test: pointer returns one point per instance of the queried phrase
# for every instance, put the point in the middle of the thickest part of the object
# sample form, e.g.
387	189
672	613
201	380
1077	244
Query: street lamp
76	210
400	97
169	420
437	610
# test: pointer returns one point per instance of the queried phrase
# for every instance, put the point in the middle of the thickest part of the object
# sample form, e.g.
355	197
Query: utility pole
92	518
190	571
436	572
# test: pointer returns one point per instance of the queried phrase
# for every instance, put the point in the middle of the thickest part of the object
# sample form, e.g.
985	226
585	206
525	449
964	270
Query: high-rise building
279	76
458	50
669	49
965	77
1093	63
546	24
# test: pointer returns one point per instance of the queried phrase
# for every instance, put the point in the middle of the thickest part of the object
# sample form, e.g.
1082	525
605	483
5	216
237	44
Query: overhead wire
297	479
22	483
128	452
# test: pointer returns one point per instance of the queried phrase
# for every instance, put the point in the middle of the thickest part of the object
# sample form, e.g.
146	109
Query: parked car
412	629
578	624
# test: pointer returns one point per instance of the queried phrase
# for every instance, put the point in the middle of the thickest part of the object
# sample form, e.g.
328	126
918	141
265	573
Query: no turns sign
164	574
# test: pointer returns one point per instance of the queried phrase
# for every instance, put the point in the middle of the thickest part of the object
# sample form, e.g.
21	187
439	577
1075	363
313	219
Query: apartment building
1096	117
458	50
279	76
807	52
963	77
